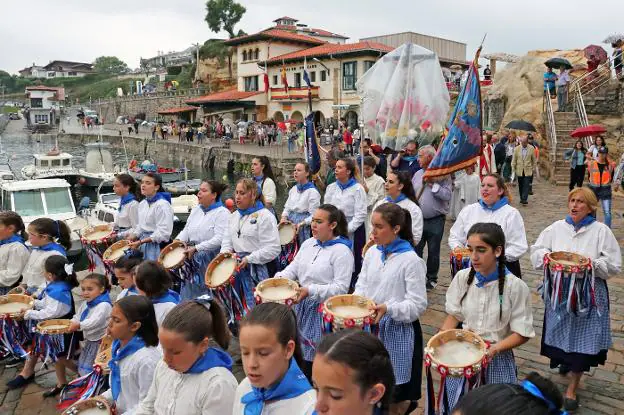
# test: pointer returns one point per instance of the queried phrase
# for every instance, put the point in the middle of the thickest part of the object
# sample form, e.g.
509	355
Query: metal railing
593	80
551	128
579	108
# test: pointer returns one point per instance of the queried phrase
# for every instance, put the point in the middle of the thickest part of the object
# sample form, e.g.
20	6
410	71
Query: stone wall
607	100
494	106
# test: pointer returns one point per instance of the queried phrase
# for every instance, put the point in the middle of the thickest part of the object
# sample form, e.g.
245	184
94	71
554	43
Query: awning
177	110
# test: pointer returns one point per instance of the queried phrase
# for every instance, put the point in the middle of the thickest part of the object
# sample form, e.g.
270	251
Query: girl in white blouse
134	352
193	377
127	218
265	180
323	268
393	276
350	197
493	207
155	218
492	302
203	234
13	252
125	269
154	281
55	301
399	190
303	199
271	353
252	235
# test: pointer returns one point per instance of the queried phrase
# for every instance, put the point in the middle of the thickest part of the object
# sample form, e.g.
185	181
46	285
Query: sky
38	31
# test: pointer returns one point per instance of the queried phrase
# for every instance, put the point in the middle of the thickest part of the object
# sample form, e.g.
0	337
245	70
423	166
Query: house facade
33	71
67	69
43	105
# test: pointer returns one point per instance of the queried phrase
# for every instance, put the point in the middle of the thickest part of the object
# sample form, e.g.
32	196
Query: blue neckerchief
169	297
212	358
125	200
259	180
586	221
159	196
400	198
250	210
534	390
60	291
409	159
345	186
102	298
482	280
303	187
118	354
14	238
52	246
215	205
395	247
502	202
293	384
339	240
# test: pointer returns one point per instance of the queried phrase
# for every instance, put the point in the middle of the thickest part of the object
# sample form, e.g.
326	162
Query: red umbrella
281	125
590	130
599	53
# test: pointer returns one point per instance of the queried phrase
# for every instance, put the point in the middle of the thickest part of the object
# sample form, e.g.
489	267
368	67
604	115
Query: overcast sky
42	30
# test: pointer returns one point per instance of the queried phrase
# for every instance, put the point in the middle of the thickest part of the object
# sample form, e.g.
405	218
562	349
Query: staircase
566	122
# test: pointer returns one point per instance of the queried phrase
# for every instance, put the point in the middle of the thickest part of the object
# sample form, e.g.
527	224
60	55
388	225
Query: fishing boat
168	175
99	166
51	165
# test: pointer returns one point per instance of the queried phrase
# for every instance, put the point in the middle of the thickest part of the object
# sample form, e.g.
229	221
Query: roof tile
331	48
277	34
177	110
229	95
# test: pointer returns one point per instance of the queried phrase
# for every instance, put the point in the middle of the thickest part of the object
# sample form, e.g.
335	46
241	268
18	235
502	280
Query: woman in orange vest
600	179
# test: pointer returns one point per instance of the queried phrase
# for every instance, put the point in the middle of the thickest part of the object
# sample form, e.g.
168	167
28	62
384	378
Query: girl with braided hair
492	302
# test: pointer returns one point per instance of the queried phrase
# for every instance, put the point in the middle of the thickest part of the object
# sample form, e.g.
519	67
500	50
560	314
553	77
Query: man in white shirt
562	89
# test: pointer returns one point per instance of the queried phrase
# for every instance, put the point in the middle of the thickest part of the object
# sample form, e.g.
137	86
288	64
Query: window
323	76
36	103
72	73
43	163
41	118
251	83
274	79
108	217
28	203
256	54
58	200
312	76
244	55
298	80
250	54
368	65
55	163
65	162
6	201
349	75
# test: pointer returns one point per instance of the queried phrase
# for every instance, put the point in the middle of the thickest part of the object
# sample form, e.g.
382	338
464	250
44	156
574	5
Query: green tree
214	49
110	65
224	15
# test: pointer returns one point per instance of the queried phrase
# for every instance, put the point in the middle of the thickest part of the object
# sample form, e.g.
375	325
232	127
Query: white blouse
306	201
128	218
255	233
137	374
205	230
161	310
399	283
13	260
47	308
415	213
94	326
300	405
376	190
325	272
173	393
269	191
480	309
507	217
352	201
155	219
124	293
33	271
595	241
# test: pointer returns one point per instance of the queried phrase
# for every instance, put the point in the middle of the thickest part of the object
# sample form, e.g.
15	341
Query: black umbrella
521	125
558	63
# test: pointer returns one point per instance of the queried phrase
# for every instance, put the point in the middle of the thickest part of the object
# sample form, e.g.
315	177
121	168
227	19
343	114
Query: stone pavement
601	391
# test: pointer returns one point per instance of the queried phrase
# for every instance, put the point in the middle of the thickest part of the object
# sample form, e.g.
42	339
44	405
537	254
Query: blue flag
313	156
306	76
461	146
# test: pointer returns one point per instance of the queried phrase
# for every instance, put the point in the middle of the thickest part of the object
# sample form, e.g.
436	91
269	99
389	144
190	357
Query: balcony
294	94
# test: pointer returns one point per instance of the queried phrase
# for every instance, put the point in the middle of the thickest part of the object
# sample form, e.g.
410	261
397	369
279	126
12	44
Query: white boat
182	206
98	166
53	164
43	198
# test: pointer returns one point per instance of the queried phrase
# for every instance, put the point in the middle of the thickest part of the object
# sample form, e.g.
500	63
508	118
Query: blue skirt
310	322
398	338
305	231
196	286
151	251
88	353
246	280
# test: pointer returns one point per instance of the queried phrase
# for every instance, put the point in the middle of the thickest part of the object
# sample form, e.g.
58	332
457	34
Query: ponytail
195	321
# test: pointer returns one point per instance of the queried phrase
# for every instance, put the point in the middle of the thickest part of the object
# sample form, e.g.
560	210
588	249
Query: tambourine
97	234
368	245
220	272
287	233
54	326
104	353
115	251
173	255
14	305
567	262
277	290
456	353
91	406
348	311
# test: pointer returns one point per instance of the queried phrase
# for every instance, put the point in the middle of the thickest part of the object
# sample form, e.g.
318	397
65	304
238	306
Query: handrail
579	106
552	131
596	78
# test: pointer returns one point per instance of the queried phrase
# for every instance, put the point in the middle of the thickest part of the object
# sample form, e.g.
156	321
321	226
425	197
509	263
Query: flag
284	78
265	77
306	76
461	144
313	157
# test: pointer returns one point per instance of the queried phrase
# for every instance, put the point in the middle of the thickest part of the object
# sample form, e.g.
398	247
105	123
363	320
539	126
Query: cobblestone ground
601	391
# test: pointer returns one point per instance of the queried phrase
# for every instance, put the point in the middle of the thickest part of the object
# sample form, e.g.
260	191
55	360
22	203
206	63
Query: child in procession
153	281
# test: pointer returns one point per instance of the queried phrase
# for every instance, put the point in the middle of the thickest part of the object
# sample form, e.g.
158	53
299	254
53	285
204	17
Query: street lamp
320	63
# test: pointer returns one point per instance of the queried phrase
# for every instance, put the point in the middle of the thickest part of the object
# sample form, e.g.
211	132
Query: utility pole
197	63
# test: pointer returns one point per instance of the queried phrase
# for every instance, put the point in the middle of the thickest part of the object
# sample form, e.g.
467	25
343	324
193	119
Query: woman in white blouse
155	218
350	197
399	190
303	199
491	302
127	217
578	341
13	252
323	268
265	180
493	207
393	276
203	232
592	152
252	235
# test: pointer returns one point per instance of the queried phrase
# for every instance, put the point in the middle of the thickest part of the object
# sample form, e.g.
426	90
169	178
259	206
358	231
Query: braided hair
492	234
